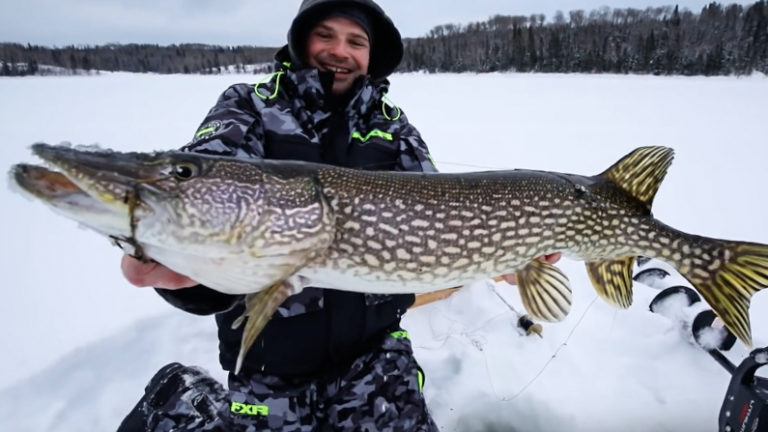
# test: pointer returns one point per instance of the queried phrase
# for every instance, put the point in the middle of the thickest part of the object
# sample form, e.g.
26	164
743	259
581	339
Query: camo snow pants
381	391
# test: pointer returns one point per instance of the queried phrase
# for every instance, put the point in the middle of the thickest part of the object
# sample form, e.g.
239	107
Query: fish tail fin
729	280
641	172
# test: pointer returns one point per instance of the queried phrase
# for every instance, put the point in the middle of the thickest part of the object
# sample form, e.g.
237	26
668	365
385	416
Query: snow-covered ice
79	343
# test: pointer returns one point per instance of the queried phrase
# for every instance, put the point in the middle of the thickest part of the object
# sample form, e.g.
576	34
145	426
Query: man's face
341	46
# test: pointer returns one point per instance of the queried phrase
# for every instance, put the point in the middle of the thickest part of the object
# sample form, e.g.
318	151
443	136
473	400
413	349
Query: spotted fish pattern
265	228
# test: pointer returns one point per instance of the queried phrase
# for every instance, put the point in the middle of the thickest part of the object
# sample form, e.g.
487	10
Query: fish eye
184	171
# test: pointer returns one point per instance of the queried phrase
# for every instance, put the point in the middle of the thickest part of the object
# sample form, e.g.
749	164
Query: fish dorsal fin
613	280
641	172
545	291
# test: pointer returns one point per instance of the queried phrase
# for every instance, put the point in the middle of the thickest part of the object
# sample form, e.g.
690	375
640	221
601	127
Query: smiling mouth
337	69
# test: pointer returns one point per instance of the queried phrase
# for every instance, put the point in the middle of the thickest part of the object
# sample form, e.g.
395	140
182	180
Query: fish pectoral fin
545	291
613	280
259	308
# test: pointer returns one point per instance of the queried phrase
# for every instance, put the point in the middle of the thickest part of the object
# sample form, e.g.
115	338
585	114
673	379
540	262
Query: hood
386	47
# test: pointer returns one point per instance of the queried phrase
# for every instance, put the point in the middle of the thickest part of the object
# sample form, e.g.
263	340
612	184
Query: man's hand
153	274
550	258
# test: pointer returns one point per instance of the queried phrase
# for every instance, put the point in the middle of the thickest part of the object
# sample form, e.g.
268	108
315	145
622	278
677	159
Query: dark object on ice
529	327
691	297
745	407
651	276
703	325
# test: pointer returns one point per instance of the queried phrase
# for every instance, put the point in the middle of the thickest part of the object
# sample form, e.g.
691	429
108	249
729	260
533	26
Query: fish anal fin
641	172
613	280
545	291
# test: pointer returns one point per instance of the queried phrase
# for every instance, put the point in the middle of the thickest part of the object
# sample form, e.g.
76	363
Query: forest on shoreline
718	40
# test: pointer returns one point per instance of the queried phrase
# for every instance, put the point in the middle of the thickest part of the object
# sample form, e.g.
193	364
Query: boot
187	395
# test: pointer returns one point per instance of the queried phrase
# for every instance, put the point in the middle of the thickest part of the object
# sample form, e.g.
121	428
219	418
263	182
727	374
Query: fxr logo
249	409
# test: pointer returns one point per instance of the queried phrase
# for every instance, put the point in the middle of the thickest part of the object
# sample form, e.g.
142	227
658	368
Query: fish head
187	210
174	199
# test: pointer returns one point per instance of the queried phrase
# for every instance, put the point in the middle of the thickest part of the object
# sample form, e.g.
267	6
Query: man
327	360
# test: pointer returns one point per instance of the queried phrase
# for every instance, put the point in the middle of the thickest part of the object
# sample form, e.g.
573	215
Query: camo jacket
289	116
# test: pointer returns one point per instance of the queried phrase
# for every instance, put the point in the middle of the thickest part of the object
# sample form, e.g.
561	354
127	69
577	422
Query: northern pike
268	228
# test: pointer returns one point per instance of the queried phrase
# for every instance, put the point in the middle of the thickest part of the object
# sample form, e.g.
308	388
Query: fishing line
466	335
450	333
466	165
375	165
546	364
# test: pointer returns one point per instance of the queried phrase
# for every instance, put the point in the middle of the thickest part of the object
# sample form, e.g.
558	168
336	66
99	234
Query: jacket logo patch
207	130
374	133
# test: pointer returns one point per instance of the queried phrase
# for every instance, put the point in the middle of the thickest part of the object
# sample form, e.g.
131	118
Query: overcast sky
247	22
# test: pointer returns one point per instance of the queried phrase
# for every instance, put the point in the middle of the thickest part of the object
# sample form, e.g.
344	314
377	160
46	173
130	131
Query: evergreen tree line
720	40
18	59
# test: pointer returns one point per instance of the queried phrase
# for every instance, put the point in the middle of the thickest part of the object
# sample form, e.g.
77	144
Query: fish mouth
46	184
97	188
